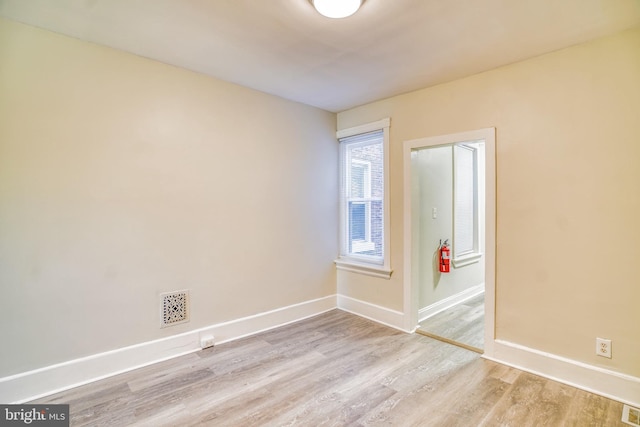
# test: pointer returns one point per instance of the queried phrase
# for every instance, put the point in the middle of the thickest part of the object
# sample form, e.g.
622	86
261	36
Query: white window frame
462	258
349	262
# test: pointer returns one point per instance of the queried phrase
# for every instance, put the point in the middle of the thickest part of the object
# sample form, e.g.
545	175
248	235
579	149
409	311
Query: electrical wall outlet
603	347
206	341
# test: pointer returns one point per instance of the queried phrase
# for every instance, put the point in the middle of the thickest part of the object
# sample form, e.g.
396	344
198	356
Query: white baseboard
460	297
613	385
41	382
52	379
383	315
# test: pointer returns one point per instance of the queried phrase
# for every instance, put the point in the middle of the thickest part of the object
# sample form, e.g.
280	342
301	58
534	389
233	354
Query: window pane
465	200
357	218
358	175
377	226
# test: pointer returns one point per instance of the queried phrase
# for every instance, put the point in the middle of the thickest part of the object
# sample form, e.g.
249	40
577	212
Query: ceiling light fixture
337	8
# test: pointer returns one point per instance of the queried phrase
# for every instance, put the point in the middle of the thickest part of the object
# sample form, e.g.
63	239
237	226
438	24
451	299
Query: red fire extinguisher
444	256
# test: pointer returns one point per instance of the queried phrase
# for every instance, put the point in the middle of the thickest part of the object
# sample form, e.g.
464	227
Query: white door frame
411	291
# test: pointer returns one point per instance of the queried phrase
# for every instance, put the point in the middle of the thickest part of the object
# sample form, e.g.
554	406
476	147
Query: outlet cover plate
603	347
206	341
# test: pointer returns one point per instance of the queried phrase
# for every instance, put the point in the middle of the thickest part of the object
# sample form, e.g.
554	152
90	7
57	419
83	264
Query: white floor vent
631	415
174	308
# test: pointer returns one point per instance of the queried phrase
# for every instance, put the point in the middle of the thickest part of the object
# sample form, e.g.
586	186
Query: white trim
387	197
613	385
379	314
410	291
466	259
368	127
368	269
439	306
52	379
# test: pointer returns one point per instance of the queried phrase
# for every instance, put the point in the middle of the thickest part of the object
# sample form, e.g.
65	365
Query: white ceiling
285	48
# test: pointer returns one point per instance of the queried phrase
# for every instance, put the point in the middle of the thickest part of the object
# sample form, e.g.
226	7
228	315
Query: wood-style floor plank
335	369
463	323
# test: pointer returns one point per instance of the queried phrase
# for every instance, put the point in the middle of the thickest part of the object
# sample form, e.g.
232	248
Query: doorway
450	197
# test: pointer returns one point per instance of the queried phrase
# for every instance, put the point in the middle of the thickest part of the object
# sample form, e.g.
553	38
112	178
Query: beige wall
121	178
568	193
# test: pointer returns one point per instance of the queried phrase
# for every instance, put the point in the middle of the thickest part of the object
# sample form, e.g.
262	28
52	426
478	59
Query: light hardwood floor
335	369
463	323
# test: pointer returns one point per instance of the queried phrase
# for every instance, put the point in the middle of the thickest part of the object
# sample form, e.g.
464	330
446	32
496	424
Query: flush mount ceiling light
336	8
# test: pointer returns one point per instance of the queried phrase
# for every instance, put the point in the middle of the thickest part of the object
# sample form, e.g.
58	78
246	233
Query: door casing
410	303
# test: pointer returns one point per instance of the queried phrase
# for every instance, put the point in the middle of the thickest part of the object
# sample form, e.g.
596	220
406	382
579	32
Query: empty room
319	212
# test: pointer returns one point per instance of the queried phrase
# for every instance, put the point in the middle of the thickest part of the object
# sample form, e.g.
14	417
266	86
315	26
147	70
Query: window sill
466	259
363	268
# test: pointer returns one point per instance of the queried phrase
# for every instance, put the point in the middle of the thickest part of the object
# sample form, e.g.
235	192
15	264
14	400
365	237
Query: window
364	191
363	202
466	188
